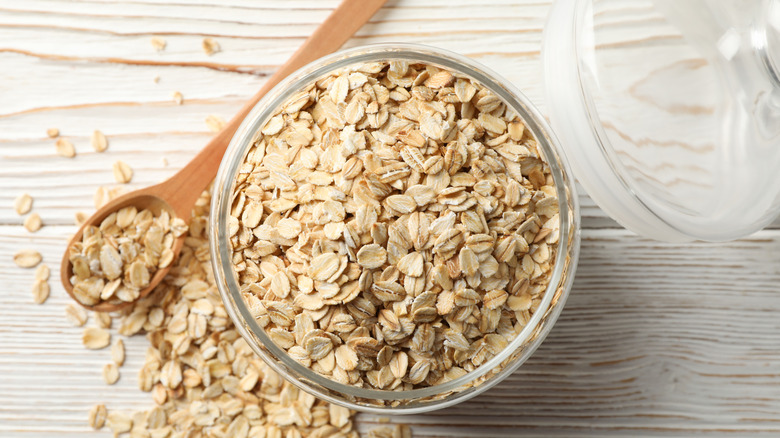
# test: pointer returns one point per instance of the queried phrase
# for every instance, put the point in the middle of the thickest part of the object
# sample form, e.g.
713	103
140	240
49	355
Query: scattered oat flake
102	319
210	46
53	132
23	204
95	338
100	197
177	97
123	173
99	141
110	373
97	416
158	43
118	352
40	291
42	272
215	123
27	258
75	314
65	148
33	222
79	217
164	162
119	422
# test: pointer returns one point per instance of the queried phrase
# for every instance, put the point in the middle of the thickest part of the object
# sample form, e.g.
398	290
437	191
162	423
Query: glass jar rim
221	260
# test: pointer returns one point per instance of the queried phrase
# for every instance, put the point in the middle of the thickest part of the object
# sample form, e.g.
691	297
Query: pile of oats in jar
394	226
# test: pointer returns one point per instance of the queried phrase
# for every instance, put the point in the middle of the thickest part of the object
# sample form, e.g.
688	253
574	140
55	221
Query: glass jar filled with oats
393	229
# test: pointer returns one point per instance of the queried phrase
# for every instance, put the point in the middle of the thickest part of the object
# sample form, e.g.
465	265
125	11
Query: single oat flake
65	148
210	46
123	173
102	319
158	43
40	291
118	352
42	272
119	422
53	132
75	314
79	217
95	338
27	258
110	373
32	223
99	141
23	204
97	416
215	123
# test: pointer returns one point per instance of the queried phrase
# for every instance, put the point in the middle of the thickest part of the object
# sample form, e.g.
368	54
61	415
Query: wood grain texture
689	346
655	340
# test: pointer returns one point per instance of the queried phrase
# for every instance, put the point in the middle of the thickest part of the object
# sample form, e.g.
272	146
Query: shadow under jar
230	202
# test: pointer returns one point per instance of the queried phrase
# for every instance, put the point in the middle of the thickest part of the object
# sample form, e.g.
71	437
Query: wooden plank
107	44
139	116
656	339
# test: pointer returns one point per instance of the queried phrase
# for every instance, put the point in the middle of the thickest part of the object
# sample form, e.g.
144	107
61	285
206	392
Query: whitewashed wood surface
655	340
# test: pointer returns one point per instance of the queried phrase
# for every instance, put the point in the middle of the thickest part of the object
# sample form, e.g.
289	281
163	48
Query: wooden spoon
178	194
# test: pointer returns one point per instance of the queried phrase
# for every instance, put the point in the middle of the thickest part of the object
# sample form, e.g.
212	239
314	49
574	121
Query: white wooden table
656	339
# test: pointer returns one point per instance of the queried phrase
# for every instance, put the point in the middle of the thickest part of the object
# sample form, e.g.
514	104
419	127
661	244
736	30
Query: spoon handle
183	189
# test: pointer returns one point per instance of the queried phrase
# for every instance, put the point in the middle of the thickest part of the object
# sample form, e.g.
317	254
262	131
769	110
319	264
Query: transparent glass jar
433	397
669	111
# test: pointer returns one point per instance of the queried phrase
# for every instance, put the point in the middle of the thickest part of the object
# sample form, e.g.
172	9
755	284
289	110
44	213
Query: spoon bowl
143	199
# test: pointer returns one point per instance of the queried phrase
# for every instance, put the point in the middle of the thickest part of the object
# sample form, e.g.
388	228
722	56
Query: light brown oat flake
210	46
27	258
99	141
53	132
215	123
110	373
97	416
178	227
158	43
102	319
123	173
105	194
23	204
42	272
65	148
371	256
75	314
79	217
33	222
118	352
177	97
40	291
119	422
95	338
